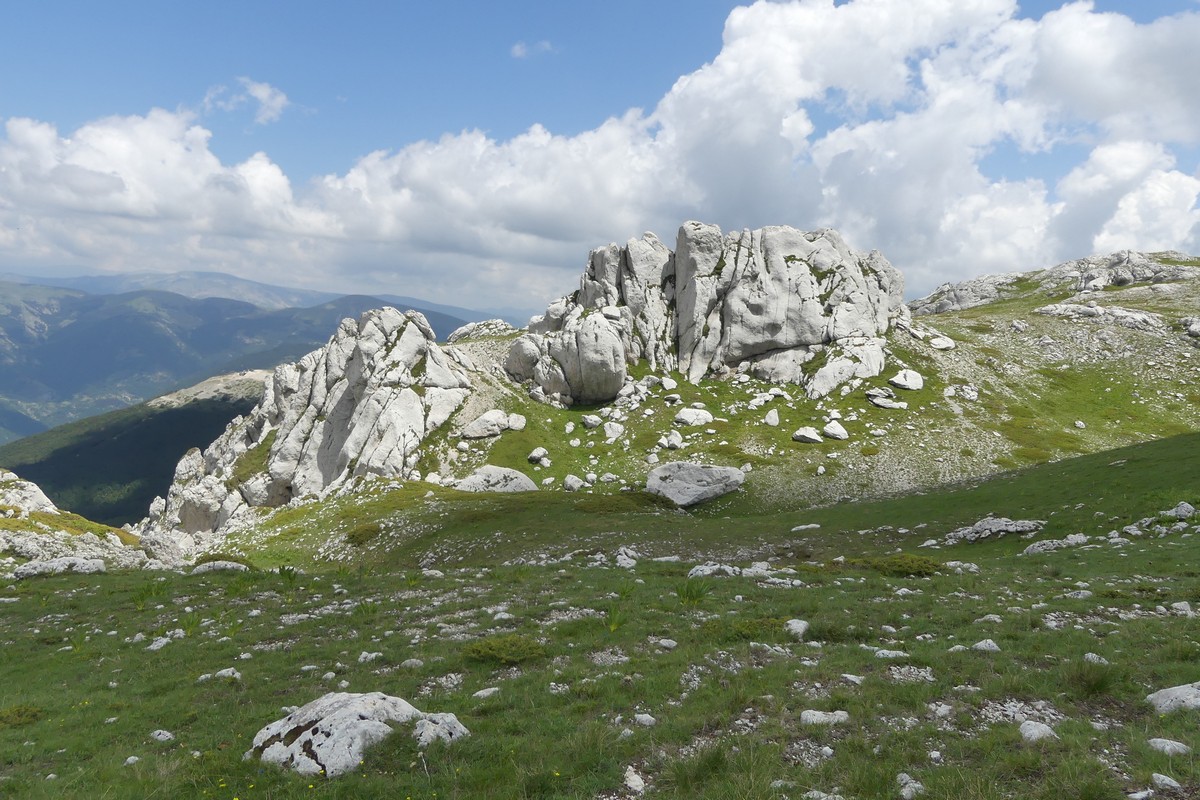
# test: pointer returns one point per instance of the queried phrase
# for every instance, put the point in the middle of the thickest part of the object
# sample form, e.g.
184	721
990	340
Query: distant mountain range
67	352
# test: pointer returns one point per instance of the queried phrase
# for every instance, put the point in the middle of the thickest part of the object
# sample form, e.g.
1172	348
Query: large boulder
490	478
686	484
771	299
331	734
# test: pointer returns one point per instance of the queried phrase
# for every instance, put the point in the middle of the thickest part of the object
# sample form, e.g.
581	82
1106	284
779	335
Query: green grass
580	648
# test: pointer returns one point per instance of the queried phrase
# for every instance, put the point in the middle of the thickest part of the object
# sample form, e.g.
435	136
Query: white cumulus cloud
902	122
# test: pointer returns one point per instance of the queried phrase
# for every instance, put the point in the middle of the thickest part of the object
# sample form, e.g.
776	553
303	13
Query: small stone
1032	731
634	782
129	762
1169	747
484	694
811	717
162	736
797	628
645	720
1164	781
986	646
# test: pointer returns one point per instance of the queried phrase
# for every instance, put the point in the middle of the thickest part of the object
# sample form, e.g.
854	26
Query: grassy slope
731	736
108	468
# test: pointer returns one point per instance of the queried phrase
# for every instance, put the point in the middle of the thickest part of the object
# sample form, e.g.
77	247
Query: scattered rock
807	434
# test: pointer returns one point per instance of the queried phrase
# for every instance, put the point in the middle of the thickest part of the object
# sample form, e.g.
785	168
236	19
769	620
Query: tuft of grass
506	649
692	592
363	532
1086	680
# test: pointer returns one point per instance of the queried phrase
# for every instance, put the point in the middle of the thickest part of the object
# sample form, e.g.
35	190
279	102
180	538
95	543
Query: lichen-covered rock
331	734
770	299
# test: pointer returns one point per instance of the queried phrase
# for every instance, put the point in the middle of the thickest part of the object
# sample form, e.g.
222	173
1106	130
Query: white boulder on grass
331	733
1033	731
907	379
835	430
490	478
1186	696
807	434
693	416
1169	747
811	717
686	484
797	628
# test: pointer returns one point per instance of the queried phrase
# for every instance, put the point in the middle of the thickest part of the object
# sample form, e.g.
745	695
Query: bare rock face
359	406
769	300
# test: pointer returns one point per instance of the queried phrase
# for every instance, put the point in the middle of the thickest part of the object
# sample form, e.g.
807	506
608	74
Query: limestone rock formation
767	301
22	495
490	478
330	735
359	406
1122	268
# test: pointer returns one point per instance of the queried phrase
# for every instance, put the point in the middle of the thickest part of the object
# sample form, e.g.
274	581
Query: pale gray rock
537	454
23	495
768	298
162	736
994	527
686	484
835	430
810	717
59	566
332	733
573	483
772	418
490	478
360	406
219	566
907	379
807	434
693	416
1169	747
1161	781
1034	731
796	628
490	423
1186	696
485	329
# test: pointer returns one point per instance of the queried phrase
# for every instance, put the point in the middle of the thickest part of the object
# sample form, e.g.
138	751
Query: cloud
878	117
270	101
524	50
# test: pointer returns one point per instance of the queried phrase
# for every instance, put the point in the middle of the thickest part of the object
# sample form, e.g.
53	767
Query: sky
472	153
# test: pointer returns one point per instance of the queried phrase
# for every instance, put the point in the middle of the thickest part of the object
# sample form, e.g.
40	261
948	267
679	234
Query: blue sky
472	153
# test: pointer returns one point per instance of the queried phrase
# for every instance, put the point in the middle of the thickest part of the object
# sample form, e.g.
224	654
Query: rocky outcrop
359	406
330	735
22	496
37	539
1123	268
767	301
